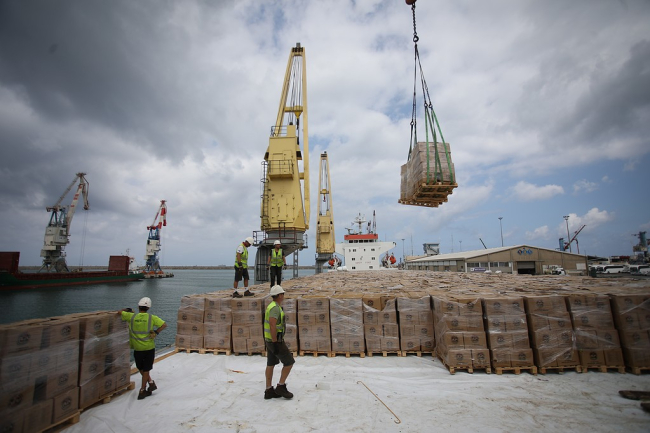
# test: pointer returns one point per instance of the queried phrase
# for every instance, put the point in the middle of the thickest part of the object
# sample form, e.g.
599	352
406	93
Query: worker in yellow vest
276	262
143	329
241	267
276	348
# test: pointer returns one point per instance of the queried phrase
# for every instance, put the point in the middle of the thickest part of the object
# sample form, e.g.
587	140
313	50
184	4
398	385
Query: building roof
465	255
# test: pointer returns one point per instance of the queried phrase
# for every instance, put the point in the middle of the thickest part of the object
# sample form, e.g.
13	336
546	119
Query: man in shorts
276	349
143	329
241	267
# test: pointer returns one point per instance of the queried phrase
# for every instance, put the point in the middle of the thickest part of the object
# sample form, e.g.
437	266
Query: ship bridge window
374	258
372	249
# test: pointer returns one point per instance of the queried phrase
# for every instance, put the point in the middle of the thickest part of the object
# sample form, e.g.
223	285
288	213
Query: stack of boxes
104	356
189	334
346	314
247	325
51	368
314	325
380	324
217	324
596	338
507	329
632	316
416	324
551	332
460	336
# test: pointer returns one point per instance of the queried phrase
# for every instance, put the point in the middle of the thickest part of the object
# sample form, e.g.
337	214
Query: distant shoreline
195	268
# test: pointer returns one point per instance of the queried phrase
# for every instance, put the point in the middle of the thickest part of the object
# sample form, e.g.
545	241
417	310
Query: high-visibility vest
276	257
244	257
279	326
139	336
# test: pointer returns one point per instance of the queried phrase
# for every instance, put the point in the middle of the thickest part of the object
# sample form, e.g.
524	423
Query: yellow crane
285	207
325	239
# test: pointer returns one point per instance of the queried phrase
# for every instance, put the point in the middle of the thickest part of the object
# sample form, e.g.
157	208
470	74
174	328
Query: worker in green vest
143	329
241	267
276	262
276	348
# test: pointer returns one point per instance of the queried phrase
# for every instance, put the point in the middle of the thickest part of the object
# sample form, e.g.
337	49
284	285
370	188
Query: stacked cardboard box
290	308
597	339
416	324
346	313
314	324
507	332
217	324
460	336
189	334
421	169
380	324
632	316
551	332
247	325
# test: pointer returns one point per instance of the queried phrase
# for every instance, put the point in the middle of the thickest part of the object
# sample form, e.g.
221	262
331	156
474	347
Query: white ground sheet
213	393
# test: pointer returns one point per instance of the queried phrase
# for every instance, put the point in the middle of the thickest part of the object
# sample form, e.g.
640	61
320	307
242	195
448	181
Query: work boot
152	387
645	406
248	293
270	393
282	391
236	294
142	394
635	395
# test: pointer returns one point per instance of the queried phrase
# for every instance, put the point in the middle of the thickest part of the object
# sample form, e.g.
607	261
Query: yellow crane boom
325	238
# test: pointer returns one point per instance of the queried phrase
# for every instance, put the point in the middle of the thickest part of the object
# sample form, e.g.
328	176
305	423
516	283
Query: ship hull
31	281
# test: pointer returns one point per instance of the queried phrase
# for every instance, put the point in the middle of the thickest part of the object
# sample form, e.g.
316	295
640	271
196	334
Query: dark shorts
275	354
144	359
241	273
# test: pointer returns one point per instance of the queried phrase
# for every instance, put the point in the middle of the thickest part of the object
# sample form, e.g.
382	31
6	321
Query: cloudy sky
546	106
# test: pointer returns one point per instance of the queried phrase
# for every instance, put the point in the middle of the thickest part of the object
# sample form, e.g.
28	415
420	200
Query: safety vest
276	257
279	326
139	335
244	257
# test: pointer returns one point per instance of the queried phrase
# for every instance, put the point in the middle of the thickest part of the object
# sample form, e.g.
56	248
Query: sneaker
152	387
282	391
142	394
249	293
270	393
236	294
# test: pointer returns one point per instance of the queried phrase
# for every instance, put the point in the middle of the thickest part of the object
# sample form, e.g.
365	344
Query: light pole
403	256
461	246
501	225
568	237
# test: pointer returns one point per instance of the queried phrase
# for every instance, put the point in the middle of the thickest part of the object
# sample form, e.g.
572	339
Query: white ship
363	251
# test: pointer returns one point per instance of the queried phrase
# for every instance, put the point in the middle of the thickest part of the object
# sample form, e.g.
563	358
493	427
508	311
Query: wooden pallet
63	424
416	352
218	351
315	353
602	368
638	370
189	350
560	370
349	354
249	353
470	369
384	353
517	370
430	195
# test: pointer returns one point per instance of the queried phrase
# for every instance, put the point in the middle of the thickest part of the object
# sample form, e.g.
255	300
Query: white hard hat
276	290
145	302
276	243
249	240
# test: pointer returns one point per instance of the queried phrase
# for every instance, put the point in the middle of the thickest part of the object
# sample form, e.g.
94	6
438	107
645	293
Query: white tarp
212	393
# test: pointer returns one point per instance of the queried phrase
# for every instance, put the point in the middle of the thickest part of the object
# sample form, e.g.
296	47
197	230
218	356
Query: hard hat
145	302
249	240
276	243
276	290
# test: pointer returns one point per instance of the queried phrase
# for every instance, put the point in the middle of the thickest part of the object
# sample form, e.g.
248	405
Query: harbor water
165	293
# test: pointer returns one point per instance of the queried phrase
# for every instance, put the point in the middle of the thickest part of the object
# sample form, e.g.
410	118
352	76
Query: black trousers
276	273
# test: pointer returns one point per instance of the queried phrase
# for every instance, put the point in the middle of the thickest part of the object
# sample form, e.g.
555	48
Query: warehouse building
519	259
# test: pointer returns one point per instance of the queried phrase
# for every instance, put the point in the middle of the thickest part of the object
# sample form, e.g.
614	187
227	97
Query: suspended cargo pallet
428	178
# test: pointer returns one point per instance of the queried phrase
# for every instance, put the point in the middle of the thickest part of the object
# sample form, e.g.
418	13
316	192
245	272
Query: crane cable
430	118
83	240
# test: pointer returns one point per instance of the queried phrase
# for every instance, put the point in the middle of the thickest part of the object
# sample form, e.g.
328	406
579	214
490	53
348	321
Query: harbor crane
152	264
565	246
57	232
325	239
285	206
